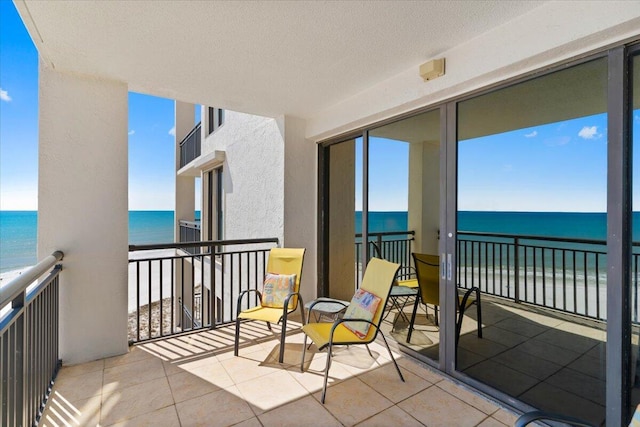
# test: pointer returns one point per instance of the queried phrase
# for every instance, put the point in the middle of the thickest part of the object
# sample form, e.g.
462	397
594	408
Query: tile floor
551	361
194	380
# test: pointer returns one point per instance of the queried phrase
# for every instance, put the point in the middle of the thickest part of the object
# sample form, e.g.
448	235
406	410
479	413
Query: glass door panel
635	258
532	200
403	218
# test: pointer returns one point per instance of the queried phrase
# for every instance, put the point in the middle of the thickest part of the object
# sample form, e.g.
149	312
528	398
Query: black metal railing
565	274
394	246
29	360
190	232
190	146
178	291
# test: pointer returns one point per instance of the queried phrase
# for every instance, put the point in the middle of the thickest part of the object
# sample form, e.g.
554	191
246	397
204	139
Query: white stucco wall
83	208
549	34
253	175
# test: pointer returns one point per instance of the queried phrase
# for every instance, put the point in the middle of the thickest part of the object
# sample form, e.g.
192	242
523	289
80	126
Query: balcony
190	146
195	380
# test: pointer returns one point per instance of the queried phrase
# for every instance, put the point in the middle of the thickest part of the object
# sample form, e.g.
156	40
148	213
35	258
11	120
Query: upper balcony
190	146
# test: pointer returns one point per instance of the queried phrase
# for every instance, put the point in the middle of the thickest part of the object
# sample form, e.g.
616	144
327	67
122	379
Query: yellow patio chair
361	322
428	272
280	294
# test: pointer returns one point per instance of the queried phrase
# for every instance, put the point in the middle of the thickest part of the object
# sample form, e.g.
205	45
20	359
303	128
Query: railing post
516	261
379	243
212	285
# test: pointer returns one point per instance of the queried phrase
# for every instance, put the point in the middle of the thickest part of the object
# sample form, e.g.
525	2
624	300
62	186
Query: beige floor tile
124	404
491	422
469	397
502	377
220	408
82	368
594	367
393	416
505	416
214	373
312	378
426	372
436	407
129	374
251	422
61	412
527	363
270	391
579	384
79	387
357	360
246	367
185	386
547	351
165	417
481	346
549	398
522	327
387	382
467	359
568	340
352	401
135	354
302	412
502	336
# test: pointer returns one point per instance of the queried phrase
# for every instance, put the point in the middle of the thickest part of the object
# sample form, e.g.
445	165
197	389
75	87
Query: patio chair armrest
529	417
242	294
285	306
467	294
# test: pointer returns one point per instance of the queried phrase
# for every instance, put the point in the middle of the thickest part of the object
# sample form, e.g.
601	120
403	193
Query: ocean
18	229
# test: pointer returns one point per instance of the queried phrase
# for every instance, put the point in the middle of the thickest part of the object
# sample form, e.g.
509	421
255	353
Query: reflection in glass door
403	219
344	201
532	202
634	305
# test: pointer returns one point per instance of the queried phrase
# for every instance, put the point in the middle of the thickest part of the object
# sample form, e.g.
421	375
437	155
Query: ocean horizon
18	229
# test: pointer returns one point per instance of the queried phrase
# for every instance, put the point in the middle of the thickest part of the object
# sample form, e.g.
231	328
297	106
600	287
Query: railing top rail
195	223
194	130
531	237
389	233
183	245
12	289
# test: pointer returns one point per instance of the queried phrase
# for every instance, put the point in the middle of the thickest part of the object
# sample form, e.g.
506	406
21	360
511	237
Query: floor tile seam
584	373
143	413
457	384
394	405
559	348
526	336
575	393
522	371
580	352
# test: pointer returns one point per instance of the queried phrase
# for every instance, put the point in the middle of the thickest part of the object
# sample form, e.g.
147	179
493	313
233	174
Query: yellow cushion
266	314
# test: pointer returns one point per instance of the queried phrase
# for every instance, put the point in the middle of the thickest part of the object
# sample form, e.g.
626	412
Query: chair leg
369	350
269	326
479	313
413	318
391	355
236	344
304	350
283	333
435	311
326	372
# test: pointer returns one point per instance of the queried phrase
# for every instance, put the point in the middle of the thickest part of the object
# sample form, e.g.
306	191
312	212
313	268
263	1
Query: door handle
443	266
448	266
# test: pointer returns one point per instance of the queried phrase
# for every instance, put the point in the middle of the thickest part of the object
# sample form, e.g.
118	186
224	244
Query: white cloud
589	132
557	141
131	132
172	131
531	135
4	95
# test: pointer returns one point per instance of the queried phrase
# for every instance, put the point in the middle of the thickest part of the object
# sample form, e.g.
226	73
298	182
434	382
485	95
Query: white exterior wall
83	208
547	35
253	175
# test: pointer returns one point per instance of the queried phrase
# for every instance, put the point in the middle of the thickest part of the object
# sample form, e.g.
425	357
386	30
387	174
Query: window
216	119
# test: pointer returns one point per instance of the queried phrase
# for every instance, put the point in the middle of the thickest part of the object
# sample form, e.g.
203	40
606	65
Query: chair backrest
428	273
378	279
287	261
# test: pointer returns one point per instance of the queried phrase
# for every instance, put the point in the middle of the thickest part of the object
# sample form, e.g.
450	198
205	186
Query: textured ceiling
268	58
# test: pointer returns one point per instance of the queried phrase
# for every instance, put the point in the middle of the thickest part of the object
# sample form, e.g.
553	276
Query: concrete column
424	195
83	208
342	259
300	200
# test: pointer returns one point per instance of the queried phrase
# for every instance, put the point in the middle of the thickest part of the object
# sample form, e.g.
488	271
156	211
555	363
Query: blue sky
555	167
151	119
